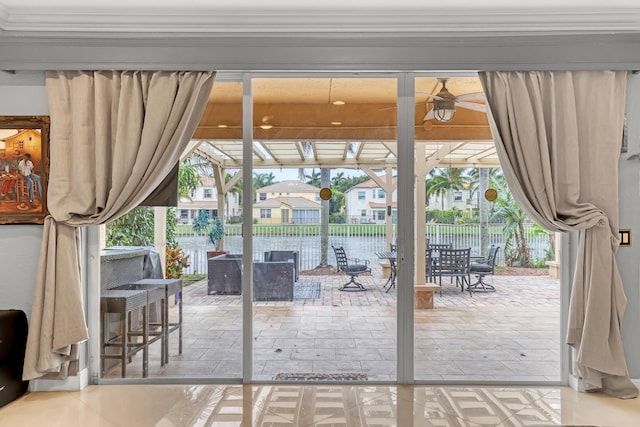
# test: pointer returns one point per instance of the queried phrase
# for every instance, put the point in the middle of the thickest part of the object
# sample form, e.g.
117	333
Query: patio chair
454	263
351	266
429	260
438	246
431	254
482	269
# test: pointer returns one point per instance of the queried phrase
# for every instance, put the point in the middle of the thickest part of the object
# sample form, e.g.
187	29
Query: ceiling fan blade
472	106
469	96
394	107
429	95
429	115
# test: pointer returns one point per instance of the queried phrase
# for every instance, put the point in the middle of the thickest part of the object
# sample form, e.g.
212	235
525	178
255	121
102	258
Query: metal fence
359	240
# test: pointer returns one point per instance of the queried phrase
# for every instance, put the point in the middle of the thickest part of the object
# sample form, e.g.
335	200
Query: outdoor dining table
391	256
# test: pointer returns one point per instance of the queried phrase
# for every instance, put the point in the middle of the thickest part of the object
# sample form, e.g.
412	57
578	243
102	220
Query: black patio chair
432	253
438	246
429	260
353	267
454	263
482	269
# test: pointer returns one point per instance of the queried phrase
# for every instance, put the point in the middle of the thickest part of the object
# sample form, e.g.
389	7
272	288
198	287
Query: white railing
359	240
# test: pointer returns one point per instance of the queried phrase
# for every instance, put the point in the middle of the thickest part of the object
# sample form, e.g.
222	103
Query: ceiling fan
444	103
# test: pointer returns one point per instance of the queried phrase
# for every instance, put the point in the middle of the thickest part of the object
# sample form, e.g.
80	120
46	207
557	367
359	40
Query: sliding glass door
310	214
324	181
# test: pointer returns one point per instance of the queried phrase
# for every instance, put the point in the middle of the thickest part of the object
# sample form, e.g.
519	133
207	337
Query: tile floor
320	405
512	334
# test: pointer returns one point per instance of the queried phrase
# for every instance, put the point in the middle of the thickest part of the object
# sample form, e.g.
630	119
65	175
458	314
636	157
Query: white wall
629	257
21	94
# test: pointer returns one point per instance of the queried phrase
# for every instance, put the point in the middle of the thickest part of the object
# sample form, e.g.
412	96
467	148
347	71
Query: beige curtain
558	137
114	138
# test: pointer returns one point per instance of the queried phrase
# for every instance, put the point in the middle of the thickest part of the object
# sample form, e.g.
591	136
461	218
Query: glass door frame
405	137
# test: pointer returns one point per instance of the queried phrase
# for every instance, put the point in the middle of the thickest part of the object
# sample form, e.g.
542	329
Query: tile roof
289	186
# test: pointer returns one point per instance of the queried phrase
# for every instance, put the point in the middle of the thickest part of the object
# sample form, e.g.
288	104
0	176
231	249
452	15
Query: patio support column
325	182
221	215
421	205
389	216
218	175
389	186
160	234
483	205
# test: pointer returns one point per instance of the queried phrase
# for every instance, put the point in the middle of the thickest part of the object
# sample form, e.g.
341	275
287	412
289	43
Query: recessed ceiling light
338	102
336	123
266	126
222	126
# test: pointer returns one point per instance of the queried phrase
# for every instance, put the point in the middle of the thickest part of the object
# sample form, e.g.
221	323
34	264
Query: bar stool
171	287
155	294
124	302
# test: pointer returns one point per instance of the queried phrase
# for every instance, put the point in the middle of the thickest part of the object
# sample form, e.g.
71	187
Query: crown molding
335	52
434	21
4	16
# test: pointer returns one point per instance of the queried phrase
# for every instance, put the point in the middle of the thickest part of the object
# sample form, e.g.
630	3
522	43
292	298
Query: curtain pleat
115	135
559	144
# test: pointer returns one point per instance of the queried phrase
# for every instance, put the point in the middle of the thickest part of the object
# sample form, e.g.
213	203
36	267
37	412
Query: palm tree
337	179
261	180
314	178
236	189
514	218
188	180
496	178
480	180
441	181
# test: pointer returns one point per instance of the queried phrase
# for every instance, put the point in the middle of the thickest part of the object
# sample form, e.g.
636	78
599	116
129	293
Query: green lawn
190	279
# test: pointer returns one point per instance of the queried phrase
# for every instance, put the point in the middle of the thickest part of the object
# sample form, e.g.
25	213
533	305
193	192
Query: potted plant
216	233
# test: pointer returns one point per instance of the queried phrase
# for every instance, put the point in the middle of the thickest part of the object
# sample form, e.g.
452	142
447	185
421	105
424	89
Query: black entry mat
306	290
320	377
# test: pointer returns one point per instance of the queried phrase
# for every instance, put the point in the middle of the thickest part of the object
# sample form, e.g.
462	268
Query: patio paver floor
510	335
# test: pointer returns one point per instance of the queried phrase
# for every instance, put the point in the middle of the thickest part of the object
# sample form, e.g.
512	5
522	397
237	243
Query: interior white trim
576	383
337	52
260	19
72	383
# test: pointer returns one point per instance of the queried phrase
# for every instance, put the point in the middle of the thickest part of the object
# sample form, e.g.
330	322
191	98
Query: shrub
177	261
216	233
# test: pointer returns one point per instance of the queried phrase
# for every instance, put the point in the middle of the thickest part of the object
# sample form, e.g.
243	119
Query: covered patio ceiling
339	123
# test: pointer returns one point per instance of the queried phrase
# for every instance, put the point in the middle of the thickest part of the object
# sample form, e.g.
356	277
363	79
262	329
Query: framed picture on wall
24	169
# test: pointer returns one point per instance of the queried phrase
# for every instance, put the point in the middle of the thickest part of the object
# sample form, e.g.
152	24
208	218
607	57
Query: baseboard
74	383
576	383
